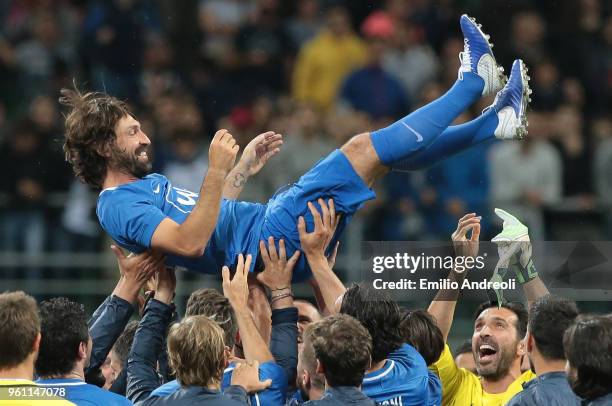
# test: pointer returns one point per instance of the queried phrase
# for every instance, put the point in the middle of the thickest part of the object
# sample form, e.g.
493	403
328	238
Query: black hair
379	315
549	317
63	329
588	349
516	307
420	330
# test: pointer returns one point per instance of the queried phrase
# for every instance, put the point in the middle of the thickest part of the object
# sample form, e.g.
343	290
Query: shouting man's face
131	151
495	343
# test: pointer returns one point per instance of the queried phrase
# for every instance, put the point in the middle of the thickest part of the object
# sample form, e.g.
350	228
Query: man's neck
543	366
375	367
315	393
501	385
115	178
21	371
76	373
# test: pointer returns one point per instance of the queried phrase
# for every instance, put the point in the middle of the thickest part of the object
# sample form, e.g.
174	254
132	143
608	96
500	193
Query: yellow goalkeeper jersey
21	392
461	387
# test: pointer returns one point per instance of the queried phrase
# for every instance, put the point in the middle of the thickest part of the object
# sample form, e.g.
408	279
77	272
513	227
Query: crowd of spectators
317	71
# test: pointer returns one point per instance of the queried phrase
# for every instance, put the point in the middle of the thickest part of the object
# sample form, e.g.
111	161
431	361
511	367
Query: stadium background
189	67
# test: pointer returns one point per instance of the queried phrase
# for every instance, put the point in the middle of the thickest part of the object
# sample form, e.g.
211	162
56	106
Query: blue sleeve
415	376
142	376
105	330
435	390
275	395
166	389
130	217
96	314
283	340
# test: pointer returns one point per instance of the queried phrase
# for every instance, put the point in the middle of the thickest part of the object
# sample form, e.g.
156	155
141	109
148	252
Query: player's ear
36	344
83	349
305	379
103	149
320	368
522	347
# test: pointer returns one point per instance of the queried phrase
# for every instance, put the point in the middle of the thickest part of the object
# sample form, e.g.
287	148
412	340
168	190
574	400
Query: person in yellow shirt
19	344
497	342
323	62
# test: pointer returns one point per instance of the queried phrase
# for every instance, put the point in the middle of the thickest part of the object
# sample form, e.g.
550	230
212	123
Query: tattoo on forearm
239	180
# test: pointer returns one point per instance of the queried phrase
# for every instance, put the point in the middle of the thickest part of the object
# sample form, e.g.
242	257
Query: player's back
273	395
131	212
84	394
27	393
403	380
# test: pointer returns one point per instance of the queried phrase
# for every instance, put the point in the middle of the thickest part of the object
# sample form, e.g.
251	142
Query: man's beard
506	357
129	163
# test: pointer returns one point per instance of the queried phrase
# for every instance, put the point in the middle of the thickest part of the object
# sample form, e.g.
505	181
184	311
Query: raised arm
111	319
190	238
142	377
314	244
255	155
237	292
442	308
514	238
277	277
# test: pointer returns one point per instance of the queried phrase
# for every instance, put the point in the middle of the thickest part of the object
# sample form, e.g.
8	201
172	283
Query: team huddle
253	343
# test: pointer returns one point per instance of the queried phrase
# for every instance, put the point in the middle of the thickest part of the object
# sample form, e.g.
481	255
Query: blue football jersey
403	380
84	394
130	213
272	396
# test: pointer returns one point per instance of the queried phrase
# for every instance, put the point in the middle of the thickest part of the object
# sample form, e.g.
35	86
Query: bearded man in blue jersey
204	231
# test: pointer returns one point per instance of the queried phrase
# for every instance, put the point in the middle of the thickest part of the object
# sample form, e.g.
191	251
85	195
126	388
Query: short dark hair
89	129
420	330
517	308
63	329
215	306
124	342
379	314
588	349
464	348
343	346
19	327
549	317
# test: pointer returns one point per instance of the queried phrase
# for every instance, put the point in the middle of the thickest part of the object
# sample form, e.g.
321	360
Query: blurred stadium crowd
317	71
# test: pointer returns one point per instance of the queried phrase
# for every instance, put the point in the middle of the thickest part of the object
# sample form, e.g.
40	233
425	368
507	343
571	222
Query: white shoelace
464	58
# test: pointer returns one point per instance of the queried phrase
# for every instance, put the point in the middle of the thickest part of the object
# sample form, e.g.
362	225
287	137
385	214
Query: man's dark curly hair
215	306
63	329
379	315
90	130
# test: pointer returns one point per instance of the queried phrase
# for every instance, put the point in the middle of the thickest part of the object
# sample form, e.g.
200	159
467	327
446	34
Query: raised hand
236	290
325	224
135	271
222	152
278	270
246	374
259	151
166	284
463	246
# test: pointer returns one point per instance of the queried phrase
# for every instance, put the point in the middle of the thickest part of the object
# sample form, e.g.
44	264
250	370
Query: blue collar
345	392
549	376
